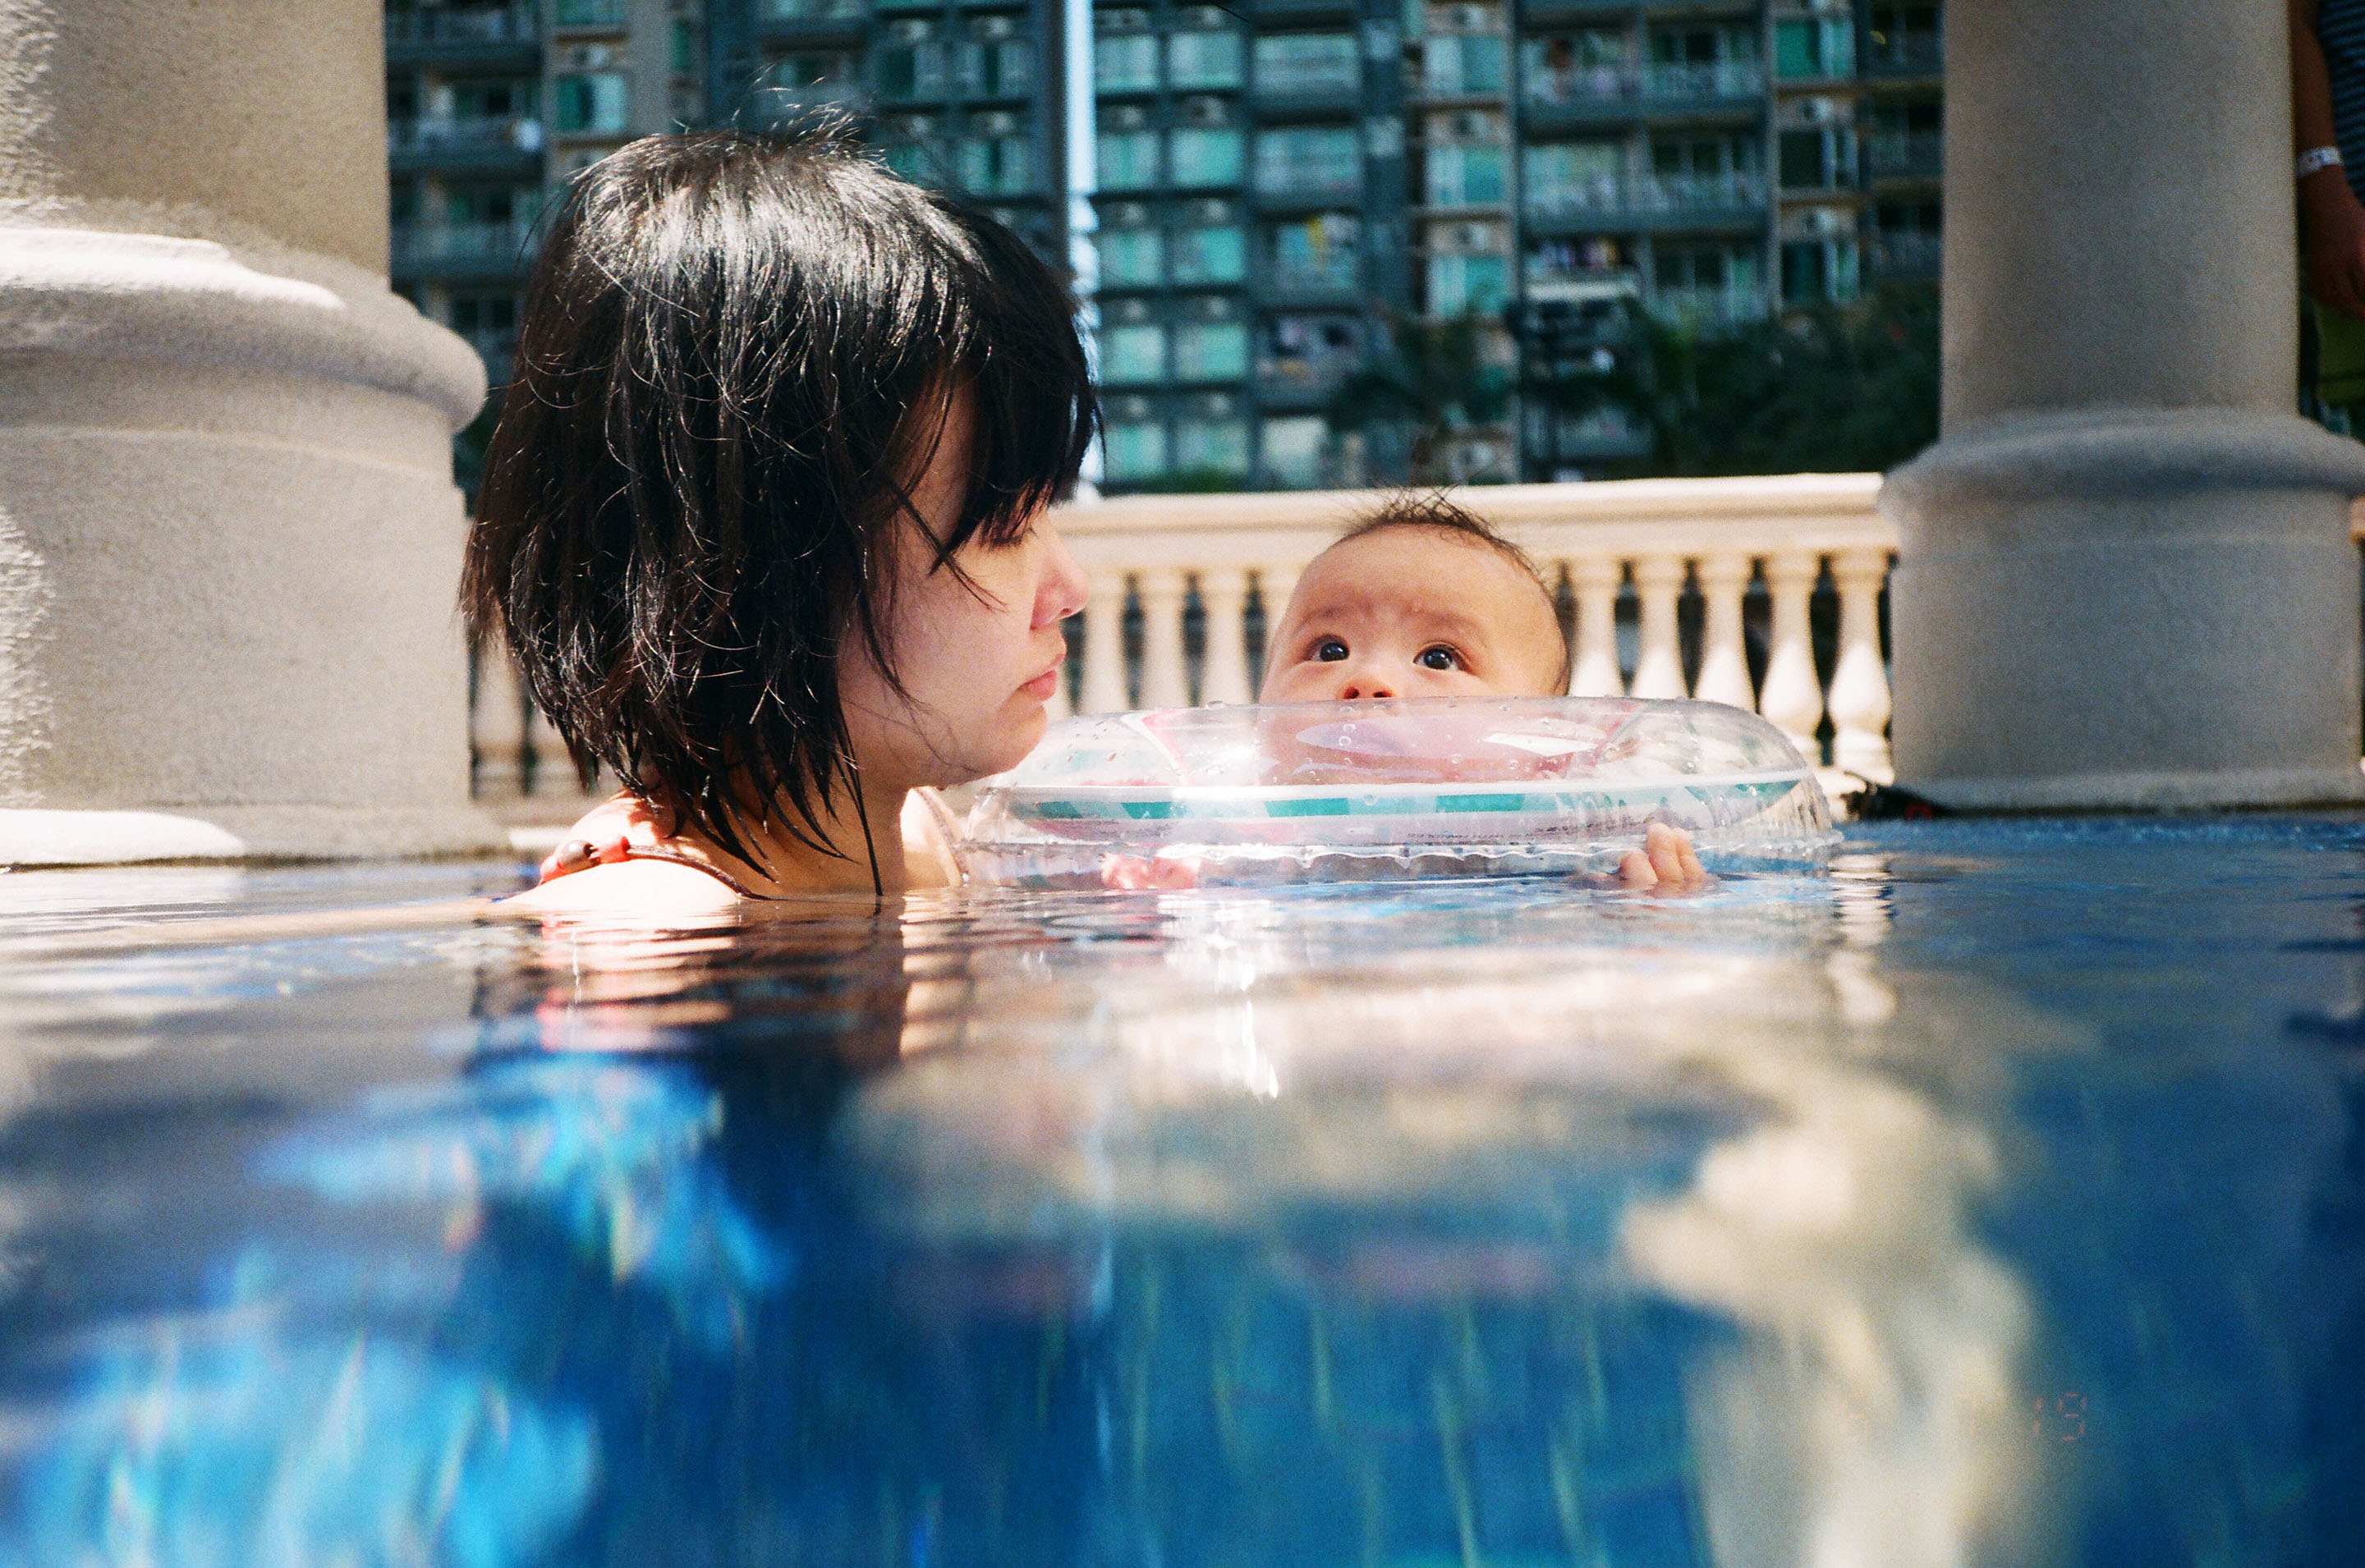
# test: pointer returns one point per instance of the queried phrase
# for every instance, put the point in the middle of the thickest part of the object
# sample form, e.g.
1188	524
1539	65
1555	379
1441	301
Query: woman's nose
1065	585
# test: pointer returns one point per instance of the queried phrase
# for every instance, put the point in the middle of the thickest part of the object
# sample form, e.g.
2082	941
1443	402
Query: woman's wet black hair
737	354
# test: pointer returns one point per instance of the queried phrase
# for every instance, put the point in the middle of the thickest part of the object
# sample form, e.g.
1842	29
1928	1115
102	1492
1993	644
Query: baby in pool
1423	600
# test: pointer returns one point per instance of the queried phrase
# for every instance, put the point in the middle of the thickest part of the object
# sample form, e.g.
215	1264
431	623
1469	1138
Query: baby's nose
1361	685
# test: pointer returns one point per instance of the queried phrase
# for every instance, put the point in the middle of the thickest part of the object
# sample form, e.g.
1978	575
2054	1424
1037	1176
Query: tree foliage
1432	380
1829	389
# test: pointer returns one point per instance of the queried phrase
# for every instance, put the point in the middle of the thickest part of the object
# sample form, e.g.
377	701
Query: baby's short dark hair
1432	511
737	353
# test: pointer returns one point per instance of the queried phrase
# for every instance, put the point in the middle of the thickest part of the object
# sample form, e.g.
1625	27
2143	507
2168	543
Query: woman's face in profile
979	659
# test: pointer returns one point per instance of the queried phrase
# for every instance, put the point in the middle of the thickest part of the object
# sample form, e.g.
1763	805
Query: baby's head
1421	599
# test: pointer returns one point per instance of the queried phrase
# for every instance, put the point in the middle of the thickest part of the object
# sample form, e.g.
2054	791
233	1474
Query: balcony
462	249
1907	56
1298	86
495	144
1903	258
1300	182
485	37
1300	382
1553	13
1650	201
1904	156
1708	309
811	21
1336	283
588	16
1608	93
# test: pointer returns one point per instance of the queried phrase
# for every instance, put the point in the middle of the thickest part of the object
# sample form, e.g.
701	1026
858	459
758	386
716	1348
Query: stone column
2127	575
229	535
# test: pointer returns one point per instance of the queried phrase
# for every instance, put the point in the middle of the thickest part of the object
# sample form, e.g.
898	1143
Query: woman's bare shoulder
635	889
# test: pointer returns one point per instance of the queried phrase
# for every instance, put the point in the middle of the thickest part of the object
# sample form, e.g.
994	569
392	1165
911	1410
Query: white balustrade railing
1653	538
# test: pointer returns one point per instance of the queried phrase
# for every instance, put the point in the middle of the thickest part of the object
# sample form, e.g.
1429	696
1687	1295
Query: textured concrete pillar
2126	578
228	536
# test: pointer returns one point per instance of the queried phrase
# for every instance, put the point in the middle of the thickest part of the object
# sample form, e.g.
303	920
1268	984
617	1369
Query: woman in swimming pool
762	521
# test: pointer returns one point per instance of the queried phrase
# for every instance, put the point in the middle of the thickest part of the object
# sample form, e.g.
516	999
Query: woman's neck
780	862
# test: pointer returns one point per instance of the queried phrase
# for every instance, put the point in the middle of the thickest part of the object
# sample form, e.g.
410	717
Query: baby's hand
1666	863
1131	873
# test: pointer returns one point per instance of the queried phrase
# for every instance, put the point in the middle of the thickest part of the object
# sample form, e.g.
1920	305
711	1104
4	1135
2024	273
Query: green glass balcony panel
1214	254
1206	158
1210	351
1132	355
1131	258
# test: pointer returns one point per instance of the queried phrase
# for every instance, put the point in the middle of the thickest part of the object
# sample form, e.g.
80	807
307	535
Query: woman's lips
1042	686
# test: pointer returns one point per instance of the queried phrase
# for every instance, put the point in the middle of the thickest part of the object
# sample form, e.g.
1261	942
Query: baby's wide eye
1329	650
1440	657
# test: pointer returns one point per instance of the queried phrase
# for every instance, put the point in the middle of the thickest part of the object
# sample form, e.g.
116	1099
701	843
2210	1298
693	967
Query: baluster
1104	645
1060	707
1859	701
554	770
1724	660
1274	586
1164	683
1224	597
496	724
1793	701
1594	660
1660	670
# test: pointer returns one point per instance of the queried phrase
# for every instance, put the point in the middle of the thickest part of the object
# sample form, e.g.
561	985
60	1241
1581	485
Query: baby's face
1412	612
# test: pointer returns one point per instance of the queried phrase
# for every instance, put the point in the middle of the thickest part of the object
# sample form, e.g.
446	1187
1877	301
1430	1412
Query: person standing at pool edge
762	520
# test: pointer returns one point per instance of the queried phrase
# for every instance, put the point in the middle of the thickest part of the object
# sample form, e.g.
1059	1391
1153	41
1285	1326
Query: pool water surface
1998	1198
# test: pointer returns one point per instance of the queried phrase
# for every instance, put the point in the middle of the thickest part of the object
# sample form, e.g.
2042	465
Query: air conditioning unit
995	27
908	32
1472	19
996	124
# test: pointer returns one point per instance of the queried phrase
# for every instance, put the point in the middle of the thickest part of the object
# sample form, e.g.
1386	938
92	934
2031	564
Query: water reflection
1462	1224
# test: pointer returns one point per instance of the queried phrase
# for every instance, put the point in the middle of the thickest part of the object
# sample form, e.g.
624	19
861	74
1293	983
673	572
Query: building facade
1289	196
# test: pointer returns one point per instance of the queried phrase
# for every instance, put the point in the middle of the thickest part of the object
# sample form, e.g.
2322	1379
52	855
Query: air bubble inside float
1365	790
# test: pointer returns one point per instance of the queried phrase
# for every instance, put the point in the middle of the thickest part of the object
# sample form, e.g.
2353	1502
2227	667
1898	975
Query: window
1465	176
1819	159
1293	451
1814	49
1308	63
1125	62
1206	158
590	104
908	71
912	160
1317	253
1133	355
1204	60
589	13
1214	255
1464	63
497	99
1134	449
1572	176
1003	69
1460	284
1210	351
1220	444
1300	159
1128	160
999	166
1131	258
1816	270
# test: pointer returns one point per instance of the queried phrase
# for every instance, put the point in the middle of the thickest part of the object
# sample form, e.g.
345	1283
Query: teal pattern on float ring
1333	792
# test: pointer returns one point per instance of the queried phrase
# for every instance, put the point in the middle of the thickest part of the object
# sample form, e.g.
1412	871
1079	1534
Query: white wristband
2315	161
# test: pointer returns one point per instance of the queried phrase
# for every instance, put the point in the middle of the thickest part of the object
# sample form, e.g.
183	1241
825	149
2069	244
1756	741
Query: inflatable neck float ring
1346	791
